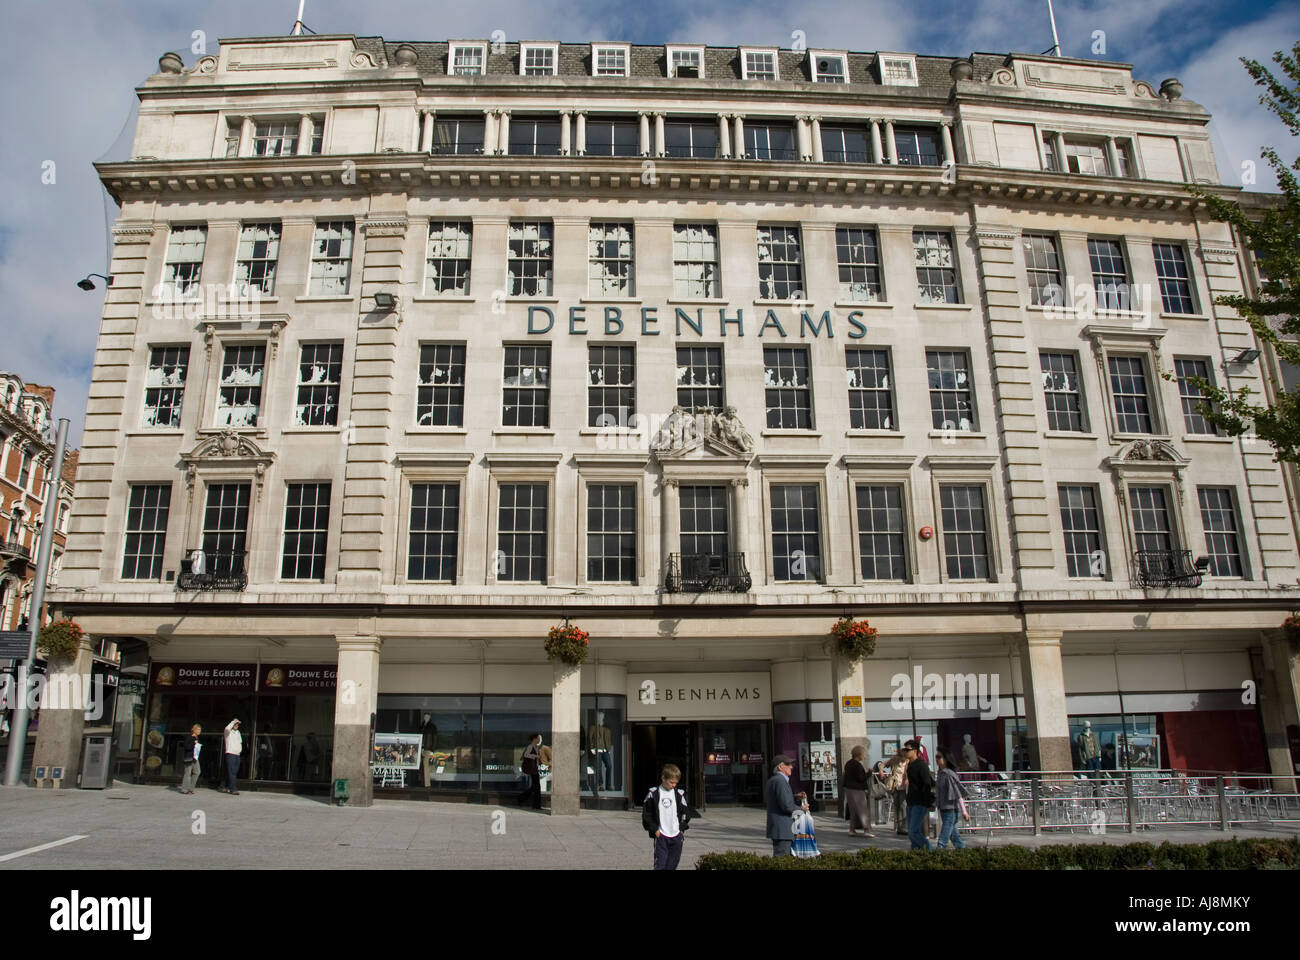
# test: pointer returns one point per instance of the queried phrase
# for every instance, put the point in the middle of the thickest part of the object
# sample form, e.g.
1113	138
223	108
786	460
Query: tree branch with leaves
1273	312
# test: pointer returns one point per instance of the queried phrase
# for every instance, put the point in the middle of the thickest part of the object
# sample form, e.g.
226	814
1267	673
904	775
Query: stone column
817	140
1058	145
740	135
1278	691
489	133
503	132
644	144
426	134
566	715
63	714
355	701
1112	157
581	138
891	146
741	514
850	728
877	154
670	522
802	138
945	131
246	131
659	134
724	135
304	135
1048	729
566	142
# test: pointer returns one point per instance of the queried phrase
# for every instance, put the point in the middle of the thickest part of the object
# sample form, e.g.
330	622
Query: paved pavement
156	828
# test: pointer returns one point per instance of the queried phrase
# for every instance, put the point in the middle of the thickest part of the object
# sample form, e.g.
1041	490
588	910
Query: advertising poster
821	761
401	750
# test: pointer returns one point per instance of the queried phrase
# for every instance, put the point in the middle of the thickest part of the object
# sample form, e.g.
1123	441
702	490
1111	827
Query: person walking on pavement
920	796
189	758
779	800
952	797
665	816
856	783
897	787
532	794
234	743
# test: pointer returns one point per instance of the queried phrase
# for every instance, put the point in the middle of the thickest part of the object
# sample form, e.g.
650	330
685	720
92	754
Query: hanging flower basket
1291	629
853	640
567	644
60	640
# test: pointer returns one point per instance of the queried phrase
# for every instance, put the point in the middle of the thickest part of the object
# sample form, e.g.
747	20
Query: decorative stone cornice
1218	254
1004	237
384	227
128	232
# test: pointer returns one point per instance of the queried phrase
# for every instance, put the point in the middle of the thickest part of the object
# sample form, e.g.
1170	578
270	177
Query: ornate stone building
417	350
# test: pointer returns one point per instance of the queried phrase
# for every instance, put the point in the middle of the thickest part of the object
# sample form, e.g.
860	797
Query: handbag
876	789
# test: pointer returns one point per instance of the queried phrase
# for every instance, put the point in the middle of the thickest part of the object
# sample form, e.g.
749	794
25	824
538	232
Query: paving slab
138	827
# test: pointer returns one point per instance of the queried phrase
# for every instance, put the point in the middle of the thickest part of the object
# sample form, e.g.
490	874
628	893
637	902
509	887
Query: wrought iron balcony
1168	568
219	572
707	573
13	550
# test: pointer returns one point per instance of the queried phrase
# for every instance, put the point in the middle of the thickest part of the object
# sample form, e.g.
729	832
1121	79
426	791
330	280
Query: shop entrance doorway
655	744
721	762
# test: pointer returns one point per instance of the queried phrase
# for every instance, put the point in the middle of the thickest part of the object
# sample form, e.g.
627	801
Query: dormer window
466	59
758	64
897	70
828	67
609	59
537	59
686	62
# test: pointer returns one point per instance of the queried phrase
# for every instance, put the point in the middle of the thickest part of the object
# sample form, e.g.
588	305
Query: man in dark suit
779	800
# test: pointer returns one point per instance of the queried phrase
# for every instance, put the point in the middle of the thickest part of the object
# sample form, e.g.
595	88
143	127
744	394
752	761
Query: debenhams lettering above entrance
699	696
703	321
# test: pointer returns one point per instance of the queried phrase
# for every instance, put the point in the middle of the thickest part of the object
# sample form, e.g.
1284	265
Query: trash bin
97	763
341	791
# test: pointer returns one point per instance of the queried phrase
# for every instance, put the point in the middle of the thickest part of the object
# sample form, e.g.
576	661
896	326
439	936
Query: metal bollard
1033	808
1223	803
1132	802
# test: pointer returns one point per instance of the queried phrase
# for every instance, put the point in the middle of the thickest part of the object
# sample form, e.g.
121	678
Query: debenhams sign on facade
699	696
801	319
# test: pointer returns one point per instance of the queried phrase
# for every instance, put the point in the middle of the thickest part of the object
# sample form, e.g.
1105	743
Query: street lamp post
18	730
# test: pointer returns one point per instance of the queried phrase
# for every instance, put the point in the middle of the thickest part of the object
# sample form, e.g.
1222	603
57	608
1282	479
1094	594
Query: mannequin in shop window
1089	752
599	744
970	757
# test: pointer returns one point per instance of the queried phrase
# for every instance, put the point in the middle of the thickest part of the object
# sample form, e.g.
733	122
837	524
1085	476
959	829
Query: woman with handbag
952	800
856	782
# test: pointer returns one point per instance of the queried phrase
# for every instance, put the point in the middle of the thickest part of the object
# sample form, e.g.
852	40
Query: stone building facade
430	347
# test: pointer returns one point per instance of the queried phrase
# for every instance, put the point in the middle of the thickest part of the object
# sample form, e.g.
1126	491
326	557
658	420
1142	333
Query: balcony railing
1167	568
13	550
219	572
707	573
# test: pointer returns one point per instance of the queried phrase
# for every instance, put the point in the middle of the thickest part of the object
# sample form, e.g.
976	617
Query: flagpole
1056	40
297	24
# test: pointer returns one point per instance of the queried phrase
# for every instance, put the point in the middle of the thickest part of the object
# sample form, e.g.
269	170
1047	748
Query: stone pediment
230	450
1150	451
702	434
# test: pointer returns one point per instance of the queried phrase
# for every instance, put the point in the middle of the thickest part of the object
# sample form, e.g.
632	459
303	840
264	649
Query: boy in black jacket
665	817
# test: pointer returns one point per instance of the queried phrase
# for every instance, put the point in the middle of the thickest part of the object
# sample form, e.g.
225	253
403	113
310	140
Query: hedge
1253	854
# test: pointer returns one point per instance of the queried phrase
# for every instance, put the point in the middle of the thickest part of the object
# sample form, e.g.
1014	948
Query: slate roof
720	63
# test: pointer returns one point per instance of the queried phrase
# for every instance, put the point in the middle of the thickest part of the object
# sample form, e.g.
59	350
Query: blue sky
68	77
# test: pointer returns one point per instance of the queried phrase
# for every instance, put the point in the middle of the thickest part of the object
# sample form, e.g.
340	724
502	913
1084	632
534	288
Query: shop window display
450	731
508	723
799	724
602	736
1122	742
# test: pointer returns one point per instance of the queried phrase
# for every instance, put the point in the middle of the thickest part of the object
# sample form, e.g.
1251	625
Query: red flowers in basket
1291	627
854	639
568	644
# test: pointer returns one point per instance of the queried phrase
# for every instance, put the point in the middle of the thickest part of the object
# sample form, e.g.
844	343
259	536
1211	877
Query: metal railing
707	573
1167	568
219	571
13	550
1127	800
